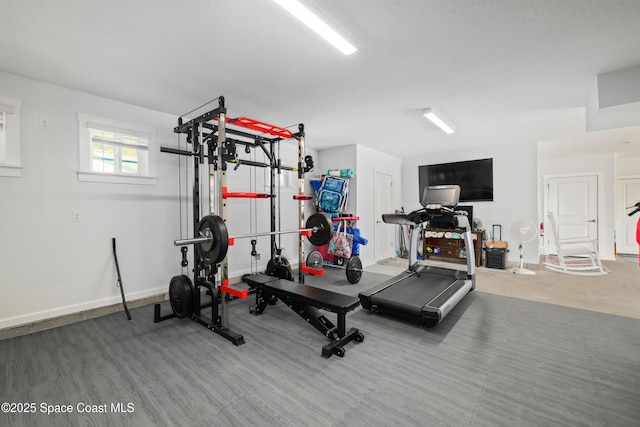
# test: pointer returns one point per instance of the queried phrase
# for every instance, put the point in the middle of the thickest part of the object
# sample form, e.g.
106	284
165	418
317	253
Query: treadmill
426	293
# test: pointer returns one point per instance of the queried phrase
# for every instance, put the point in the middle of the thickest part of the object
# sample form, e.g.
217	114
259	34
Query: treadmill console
437	201
440	201
444	195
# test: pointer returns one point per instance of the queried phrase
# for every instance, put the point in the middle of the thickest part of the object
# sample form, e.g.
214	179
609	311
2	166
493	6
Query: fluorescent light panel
429	114
298	10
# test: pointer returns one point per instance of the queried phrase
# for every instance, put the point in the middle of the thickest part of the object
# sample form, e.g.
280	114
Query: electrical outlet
77	216
45	123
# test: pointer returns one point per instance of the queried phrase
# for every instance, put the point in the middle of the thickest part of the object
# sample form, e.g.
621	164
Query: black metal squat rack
211	146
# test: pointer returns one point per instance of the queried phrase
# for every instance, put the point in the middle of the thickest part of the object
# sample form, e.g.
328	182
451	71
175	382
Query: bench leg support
339	338
337	346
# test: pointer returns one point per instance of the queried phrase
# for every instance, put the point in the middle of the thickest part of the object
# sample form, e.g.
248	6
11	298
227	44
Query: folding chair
333	194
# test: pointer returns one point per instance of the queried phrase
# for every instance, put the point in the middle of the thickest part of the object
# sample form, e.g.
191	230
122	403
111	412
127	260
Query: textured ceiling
500	71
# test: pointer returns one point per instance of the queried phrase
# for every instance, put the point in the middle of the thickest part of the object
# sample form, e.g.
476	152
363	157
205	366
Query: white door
574	203
384	233
628	195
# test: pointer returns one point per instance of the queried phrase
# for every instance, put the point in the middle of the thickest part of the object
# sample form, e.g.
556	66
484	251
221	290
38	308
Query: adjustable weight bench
307	301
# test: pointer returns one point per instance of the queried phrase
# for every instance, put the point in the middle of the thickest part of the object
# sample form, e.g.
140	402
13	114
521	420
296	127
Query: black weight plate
269	270
323	226
354	269
214	251
314	260
280	269
181	296
271	264
283	271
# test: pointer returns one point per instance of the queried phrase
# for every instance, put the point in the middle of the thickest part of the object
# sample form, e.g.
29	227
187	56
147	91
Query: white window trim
85	121
11	166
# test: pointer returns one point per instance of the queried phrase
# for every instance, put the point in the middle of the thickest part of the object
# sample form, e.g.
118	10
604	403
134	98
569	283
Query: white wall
369	162
248	216
628	166
515	189
344	157
51	266
366	162
604	164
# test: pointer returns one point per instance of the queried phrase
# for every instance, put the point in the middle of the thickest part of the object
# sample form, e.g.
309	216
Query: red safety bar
259	126
315	271
236	293
242	194
346	218
302	197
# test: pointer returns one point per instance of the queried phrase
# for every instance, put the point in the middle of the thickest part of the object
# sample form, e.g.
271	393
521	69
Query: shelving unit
449	245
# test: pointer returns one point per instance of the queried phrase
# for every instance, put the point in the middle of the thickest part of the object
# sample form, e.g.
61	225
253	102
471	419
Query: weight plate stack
181	296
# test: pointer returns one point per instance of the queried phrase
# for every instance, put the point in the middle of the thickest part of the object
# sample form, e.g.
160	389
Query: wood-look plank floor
494	361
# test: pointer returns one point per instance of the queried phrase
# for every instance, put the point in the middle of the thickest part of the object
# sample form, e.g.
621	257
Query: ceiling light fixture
429	114
298	10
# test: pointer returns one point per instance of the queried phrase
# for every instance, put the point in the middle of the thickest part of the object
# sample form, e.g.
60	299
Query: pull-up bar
259	126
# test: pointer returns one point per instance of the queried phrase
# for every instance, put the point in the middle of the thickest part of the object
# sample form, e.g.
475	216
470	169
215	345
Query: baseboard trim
67	319
91	313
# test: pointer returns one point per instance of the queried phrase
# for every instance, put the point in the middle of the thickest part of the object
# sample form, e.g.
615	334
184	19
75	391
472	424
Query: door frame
376	196
545	202
620	211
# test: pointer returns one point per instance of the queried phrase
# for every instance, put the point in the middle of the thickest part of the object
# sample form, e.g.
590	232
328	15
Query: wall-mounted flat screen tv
475	178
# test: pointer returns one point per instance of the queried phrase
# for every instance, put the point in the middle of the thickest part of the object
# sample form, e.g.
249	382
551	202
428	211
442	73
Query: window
120	153
10	137
115	152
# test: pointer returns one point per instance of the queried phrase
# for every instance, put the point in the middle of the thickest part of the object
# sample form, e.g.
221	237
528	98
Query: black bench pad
258	280
321	298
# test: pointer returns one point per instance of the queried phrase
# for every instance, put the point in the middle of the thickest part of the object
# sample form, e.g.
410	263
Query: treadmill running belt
410	295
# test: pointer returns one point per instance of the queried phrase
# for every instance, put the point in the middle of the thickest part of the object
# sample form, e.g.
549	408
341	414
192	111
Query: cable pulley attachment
184	262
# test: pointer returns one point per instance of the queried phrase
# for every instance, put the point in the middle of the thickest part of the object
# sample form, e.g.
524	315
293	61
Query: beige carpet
571	261
615	293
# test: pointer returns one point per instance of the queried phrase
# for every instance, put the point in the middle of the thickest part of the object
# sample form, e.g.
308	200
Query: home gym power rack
207	135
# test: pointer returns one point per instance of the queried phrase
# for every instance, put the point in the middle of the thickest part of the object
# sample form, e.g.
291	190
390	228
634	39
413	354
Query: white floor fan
523	232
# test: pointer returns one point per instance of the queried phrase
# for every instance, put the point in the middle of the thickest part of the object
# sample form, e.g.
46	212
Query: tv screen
475	178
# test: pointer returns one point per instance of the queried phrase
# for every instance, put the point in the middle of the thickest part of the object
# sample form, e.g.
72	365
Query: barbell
213	239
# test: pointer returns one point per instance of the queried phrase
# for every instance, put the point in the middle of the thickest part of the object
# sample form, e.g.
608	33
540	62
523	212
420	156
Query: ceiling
500	71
